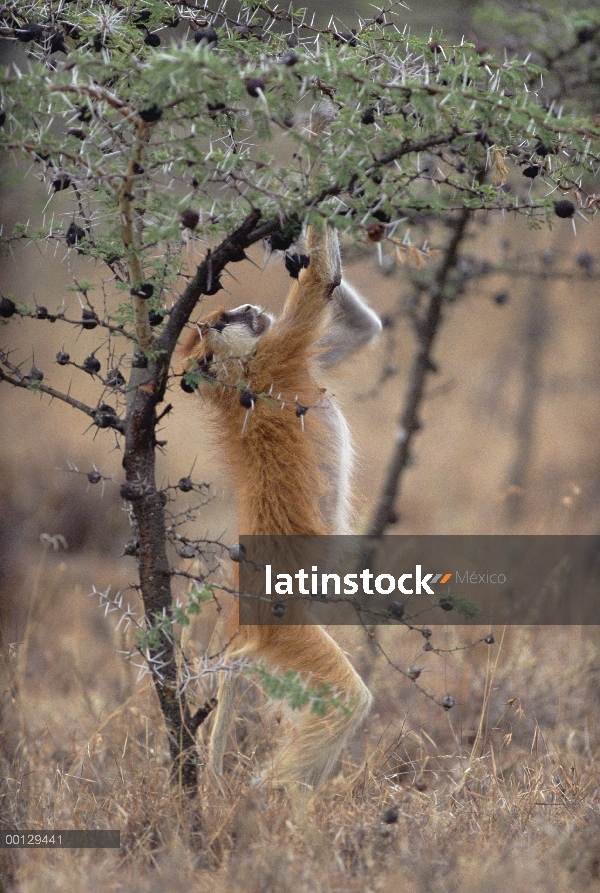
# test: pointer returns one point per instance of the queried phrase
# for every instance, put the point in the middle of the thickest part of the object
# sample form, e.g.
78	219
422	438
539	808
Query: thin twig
18	380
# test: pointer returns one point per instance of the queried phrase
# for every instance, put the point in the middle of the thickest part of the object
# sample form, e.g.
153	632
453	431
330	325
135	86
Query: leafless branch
15	377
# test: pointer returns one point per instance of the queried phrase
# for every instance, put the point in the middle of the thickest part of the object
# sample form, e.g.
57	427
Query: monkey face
242	322
227	335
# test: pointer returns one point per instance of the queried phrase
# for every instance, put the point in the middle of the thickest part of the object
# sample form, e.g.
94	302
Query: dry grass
503	790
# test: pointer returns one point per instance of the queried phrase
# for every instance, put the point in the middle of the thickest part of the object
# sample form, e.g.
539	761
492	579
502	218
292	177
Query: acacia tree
157	118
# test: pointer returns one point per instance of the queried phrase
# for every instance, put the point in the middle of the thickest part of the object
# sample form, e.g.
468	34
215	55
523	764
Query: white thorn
245	420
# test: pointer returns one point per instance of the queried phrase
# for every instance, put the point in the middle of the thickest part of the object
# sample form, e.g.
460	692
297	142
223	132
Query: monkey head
226	335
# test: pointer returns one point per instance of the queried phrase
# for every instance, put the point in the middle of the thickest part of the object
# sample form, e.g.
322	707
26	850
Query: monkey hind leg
310	756
222	723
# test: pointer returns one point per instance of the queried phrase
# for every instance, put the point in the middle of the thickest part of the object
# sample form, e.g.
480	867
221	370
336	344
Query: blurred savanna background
501	789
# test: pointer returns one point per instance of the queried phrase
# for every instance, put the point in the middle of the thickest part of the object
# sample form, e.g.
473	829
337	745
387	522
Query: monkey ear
199	328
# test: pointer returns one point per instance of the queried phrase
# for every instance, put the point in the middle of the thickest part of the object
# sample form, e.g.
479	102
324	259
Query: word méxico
474	578
384	583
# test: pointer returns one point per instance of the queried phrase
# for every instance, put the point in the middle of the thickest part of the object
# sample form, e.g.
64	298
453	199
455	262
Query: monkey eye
219	326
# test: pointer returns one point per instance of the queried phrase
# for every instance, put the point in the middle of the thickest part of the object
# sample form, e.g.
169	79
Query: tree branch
210	269
53	317
18	380
143	330
408	423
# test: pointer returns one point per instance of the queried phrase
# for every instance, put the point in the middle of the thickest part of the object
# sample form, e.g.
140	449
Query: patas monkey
291	475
